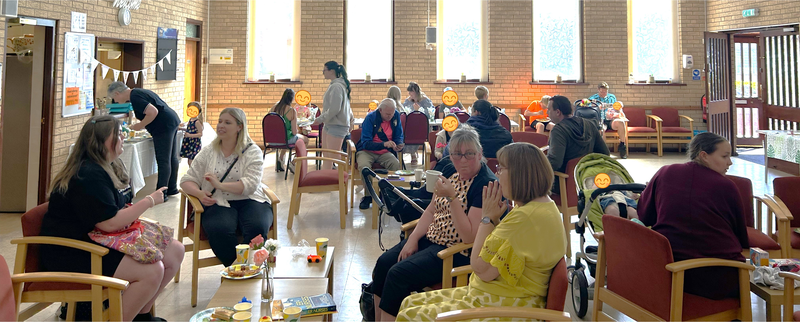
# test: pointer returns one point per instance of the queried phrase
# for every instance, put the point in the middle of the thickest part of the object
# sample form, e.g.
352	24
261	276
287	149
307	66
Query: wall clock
124	17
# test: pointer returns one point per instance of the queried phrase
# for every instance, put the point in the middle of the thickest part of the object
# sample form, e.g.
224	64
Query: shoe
166	198
148	317
365	202
623	151
172	193
279	167
414	162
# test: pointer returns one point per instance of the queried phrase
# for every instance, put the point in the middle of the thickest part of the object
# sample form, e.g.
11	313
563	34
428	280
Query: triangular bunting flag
161	64
94	64
104	69
116	74
136	76
144	74
167	57
125	76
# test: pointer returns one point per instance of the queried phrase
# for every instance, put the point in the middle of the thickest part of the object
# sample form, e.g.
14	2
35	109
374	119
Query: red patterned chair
641	128
671	130
631	255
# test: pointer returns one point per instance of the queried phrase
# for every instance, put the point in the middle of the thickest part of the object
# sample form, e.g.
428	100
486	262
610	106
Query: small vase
267	290
250	260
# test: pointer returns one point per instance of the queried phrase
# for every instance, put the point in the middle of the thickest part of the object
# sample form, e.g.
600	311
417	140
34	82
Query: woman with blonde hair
226	177
92	192
513	256
395	94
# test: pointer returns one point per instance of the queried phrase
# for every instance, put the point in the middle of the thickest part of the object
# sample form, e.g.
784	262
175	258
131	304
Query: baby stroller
391	201
590	110
597	176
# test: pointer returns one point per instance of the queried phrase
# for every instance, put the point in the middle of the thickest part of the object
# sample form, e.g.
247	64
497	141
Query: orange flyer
73	96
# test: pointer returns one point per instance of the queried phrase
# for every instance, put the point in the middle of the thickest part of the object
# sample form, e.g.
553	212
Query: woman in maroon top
700	212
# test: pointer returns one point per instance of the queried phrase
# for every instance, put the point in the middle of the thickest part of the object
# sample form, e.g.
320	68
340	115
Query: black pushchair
392	201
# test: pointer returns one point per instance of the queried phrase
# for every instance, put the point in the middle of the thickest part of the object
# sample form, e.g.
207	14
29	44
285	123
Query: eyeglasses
458	156
499	168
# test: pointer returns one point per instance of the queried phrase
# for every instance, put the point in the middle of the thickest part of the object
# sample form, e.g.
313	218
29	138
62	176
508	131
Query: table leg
330	277
774	311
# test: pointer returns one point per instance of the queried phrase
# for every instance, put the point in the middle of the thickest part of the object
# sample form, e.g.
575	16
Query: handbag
144	241
367	303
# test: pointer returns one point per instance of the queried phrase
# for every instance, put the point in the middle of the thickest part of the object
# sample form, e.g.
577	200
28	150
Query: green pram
597	176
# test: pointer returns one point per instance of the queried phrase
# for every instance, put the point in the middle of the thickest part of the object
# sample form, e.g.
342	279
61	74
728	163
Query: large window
557	40
462	43
652	37
273	40
369	39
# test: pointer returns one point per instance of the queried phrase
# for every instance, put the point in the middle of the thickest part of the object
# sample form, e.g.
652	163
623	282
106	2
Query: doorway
27	113
119	54
192	63
747	100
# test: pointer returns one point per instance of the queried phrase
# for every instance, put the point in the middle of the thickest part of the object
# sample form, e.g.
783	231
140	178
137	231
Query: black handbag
367	302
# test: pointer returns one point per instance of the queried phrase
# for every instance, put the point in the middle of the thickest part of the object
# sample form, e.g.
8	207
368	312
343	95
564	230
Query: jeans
250	217
166	147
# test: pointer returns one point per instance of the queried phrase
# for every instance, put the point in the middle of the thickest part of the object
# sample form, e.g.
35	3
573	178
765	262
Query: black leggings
166	148
250	217
393	280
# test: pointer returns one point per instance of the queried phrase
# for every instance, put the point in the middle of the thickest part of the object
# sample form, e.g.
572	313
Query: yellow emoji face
449	98
192	111
617	106
302	97
450	123
602	180
373	105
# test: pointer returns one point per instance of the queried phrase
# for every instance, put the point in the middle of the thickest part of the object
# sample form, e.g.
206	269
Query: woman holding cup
452	217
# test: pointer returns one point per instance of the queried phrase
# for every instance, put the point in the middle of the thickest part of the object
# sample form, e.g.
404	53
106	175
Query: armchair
641	129
671	130
318	181
446	256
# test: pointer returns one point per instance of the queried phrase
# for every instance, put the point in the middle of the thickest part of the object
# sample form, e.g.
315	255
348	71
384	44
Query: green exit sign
749	13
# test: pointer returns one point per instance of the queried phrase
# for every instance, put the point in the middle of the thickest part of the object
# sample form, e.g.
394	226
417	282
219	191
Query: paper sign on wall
78	22
220	56
78	74
72	96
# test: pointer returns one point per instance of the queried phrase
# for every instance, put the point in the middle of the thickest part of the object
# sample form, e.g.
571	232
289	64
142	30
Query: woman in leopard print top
452	217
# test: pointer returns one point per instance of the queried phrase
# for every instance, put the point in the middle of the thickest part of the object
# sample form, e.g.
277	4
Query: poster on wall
167	47
78	84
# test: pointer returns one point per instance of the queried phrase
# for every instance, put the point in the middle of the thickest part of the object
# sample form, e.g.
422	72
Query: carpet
755	158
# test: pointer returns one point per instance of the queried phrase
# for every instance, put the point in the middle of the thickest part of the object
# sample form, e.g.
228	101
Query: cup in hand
418	175
431	176
322	246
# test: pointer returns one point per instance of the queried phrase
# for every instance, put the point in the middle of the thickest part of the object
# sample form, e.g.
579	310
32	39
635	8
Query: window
273	40
652	39
369	39
557	40
462	47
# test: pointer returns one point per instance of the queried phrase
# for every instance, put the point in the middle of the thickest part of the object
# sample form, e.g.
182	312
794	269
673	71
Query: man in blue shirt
603	96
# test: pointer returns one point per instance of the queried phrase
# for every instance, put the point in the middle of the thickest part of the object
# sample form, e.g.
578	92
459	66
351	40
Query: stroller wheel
580	293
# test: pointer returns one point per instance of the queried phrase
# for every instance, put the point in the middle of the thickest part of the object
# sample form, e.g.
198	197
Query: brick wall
102	22
727	14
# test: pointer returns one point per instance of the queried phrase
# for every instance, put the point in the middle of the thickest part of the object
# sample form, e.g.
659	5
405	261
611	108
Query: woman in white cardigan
336	113
235	200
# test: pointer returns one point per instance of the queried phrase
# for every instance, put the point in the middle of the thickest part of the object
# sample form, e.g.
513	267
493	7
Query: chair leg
352	193
277	160
342	204
71	311
195	273
288	161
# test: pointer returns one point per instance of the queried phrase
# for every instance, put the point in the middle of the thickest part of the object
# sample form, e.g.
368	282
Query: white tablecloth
140	161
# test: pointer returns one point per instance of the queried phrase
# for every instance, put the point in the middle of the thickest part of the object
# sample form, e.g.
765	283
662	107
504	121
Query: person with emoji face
449	104
194	131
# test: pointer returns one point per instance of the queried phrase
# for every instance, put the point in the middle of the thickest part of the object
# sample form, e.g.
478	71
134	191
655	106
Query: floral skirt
426	306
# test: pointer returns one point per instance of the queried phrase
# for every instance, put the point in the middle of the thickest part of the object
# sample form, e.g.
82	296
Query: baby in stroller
608	188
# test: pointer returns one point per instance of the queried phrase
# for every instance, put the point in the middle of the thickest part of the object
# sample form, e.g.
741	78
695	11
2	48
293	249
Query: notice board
78	74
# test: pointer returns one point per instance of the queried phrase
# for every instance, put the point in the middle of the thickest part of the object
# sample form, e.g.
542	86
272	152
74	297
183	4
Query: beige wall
510	57
102	22
727	14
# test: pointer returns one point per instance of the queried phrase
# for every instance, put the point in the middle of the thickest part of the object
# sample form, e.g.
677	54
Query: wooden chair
755	234
789	315
671	130
46	288
189	219
567	198
428	149
631	256
553	311
318	181
537	139
445	255
786	200
641	129
273	127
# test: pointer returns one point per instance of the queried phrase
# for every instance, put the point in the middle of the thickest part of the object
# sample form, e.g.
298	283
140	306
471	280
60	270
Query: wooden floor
356	245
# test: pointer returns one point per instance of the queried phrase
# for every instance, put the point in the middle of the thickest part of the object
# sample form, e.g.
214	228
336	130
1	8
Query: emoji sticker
617	106
302	97
449	98
192	111
602	180
373	105
450	123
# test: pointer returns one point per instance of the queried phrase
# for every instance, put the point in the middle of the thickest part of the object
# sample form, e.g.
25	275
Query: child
538	115
442	138
284	109
194	131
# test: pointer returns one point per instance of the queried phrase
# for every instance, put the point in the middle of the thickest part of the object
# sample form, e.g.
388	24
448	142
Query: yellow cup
242	253
322	246
291	314
242	316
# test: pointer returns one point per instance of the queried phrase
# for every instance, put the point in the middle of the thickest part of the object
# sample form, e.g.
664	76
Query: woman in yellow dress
512	258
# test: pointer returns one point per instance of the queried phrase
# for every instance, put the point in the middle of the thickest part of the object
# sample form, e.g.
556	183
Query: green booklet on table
312	305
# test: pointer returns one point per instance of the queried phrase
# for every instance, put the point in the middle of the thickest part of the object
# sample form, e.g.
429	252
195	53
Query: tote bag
143	240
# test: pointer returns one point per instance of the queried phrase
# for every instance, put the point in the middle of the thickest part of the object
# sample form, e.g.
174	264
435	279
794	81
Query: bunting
116	74
136	77
125	74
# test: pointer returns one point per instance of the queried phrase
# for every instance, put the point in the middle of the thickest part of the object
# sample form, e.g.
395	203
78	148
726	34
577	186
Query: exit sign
749	13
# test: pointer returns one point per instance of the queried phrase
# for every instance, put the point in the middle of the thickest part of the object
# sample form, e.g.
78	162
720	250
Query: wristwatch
487	220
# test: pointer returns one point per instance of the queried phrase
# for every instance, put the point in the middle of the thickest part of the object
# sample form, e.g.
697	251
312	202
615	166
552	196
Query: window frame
581	41
676	50
390	80
251	56
483	51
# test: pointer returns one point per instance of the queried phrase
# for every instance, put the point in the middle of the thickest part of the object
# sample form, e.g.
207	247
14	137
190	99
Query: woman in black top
162	123
86	194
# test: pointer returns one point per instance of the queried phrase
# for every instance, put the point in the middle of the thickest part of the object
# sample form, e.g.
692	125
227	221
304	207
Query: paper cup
322	246
242	253
430	180
291	314
242	316
243	307
418	175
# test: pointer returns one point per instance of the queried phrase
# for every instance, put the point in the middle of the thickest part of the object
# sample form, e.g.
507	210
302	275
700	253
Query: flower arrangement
260	256
257	242
455	109
272	246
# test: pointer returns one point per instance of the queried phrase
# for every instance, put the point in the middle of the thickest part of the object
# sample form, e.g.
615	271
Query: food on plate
222	314
241	270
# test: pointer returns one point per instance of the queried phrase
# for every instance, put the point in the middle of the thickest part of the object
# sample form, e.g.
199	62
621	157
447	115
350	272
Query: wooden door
190	75
781	84
718	85
746	90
